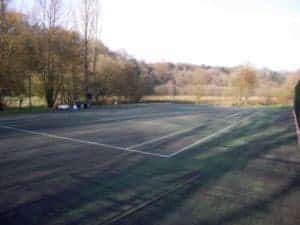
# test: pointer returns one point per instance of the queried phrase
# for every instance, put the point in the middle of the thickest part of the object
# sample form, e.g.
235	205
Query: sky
212	32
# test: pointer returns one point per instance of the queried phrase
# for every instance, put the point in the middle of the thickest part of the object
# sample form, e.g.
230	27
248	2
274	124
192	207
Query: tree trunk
2	31
94	71
86	79
49	100
21	98
85	62
29	92
1	101
74	97
49	92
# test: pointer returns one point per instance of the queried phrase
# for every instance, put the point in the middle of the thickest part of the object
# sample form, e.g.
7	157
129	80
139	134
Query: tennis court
147	164
162	131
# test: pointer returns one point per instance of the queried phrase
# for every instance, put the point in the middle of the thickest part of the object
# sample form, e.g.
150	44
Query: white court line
83	141
209	137
143	116
174	133
217	133
163	137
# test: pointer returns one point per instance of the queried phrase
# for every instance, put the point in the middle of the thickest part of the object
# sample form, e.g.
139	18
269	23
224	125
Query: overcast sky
214	32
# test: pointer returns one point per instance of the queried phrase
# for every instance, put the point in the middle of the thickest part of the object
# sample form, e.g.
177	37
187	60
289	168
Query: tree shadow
210	171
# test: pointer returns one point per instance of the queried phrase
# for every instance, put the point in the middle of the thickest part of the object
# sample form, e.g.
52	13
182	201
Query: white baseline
83	141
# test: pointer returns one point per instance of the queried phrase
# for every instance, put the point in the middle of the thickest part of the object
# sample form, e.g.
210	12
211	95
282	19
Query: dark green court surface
142	164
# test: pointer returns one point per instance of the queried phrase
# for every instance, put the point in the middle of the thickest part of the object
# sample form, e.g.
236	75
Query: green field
81	168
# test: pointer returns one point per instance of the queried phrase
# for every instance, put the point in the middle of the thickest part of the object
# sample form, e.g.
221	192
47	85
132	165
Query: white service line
174	134
83	141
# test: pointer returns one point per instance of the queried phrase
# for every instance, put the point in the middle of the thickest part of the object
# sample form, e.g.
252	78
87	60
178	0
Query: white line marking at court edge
84	141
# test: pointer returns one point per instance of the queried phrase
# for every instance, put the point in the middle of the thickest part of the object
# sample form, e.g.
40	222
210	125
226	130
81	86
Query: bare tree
3	31
96	35
3	4
244	80
49	19
88	18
